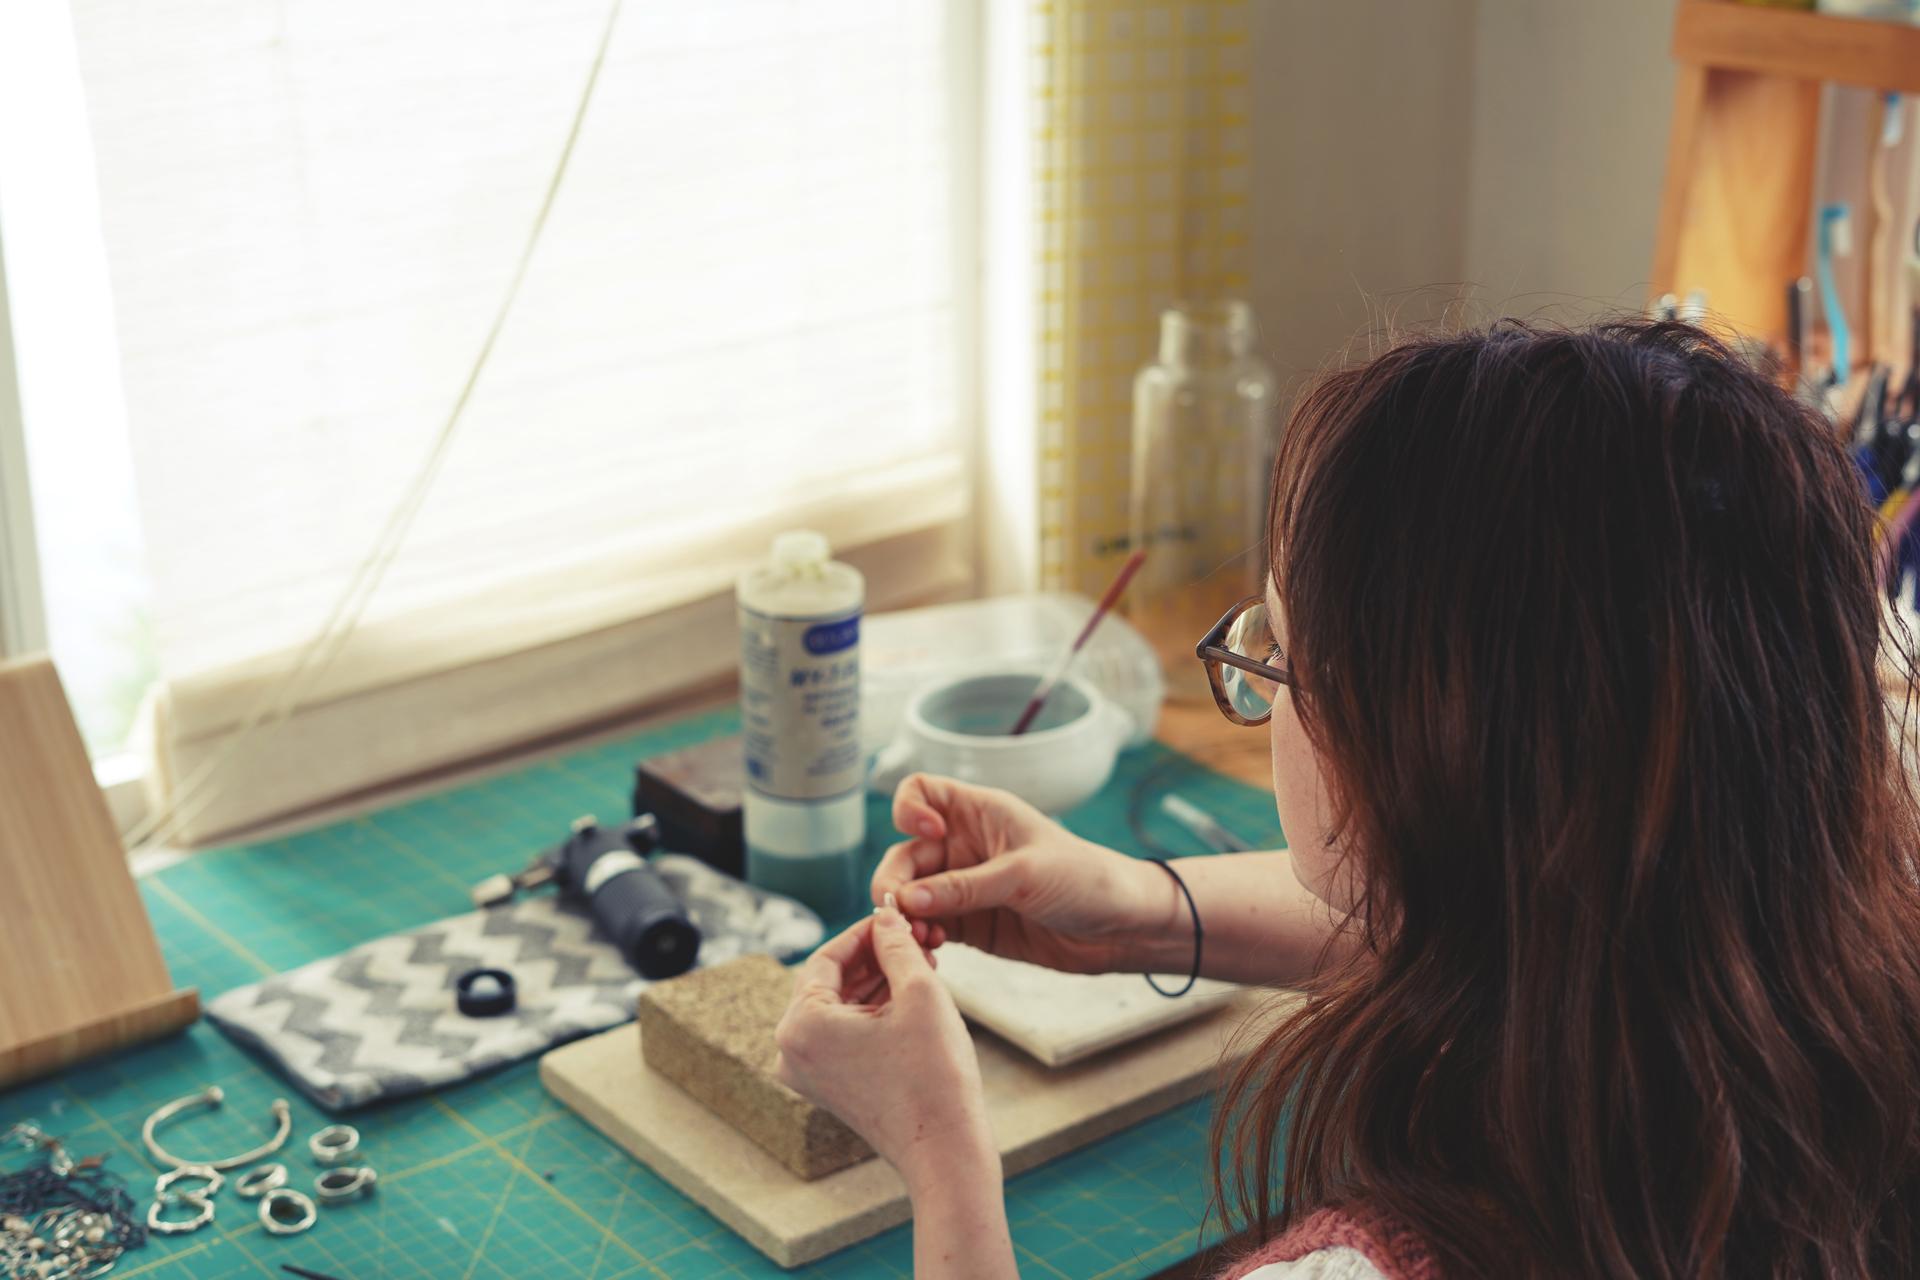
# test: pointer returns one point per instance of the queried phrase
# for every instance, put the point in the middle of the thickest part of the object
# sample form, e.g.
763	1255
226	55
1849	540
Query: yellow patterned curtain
1142	111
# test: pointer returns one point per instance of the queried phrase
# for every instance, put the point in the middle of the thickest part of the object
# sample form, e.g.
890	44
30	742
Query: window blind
745	312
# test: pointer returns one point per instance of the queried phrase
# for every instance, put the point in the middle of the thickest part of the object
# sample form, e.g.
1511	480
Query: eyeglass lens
1250	637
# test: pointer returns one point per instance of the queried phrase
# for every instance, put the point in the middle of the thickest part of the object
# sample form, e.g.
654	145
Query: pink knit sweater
1396	1252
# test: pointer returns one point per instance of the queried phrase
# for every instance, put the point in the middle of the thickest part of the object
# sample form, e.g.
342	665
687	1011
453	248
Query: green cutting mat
494	1178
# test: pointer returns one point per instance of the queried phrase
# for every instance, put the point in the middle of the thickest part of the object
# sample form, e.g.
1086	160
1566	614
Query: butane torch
606	868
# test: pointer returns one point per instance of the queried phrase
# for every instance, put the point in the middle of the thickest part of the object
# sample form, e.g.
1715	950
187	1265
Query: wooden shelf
1807	46
1744	147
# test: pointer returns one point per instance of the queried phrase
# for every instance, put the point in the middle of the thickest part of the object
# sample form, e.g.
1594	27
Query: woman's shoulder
1340	1244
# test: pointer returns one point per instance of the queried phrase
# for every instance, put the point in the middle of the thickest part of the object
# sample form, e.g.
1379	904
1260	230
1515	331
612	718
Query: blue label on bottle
832	637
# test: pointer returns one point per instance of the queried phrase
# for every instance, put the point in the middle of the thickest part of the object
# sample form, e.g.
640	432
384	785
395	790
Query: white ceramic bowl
959	728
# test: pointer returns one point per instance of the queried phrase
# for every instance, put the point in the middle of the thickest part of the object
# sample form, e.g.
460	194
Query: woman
1600	879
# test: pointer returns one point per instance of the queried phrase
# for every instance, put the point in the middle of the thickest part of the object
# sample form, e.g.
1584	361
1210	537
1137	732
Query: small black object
630	901
494	996
1198	934
305	1274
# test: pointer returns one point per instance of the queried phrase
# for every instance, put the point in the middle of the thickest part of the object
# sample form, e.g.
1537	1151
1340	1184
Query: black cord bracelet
1199	934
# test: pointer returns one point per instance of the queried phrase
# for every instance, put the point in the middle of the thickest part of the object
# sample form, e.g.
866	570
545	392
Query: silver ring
163	1185
259	1180
334	1144
280	1198
345	1183
159	1224
212	1096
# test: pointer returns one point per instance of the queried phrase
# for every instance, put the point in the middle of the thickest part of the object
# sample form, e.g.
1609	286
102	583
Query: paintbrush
1044	689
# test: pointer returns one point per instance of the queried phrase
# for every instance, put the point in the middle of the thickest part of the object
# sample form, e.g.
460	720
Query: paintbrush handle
1044	689
1041	693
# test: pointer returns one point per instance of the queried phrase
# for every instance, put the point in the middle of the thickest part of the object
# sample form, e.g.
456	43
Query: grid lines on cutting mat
494	1178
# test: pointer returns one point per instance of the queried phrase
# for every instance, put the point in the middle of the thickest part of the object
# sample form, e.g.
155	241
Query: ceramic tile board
1061	1018
496	1178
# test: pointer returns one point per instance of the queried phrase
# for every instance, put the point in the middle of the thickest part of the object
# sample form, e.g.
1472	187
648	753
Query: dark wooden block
695	793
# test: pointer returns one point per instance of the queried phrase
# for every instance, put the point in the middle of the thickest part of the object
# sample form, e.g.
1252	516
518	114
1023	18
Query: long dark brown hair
1586	629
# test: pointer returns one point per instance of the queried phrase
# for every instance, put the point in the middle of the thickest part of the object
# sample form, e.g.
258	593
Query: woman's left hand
873	1036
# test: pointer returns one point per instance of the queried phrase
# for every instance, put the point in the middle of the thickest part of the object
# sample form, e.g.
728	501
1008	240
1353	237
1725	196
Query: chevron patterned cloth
379	1021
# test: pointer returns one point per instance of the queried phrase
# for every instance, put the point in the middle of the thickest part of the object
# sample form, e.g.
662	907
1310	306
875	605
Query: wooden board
1063	1018
83	969
1037	1114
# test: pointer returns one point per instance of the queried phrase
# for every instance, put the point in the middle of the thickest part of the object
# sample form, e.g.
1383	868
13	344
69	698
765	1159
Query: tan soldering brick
711	1033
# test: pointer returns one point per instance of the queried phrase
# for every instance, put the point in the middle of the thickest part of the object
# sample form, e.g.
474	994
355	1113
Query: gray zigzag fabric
379	1021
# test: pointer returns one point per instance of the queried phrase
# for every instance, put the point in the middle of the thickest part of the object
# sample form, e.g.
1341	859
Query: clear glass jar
1203	446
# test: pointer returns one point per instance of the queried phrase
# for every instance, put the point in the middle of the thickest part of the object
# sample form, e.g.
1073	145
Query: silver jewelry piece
31	1135
159	1224
348	1183
334	1144
259	1180
163	1185
212	1096
285	1212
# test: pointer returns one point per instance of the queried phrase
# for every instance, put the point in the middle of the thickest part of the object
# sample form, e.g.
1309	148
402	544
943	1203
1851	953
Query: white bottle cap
801	549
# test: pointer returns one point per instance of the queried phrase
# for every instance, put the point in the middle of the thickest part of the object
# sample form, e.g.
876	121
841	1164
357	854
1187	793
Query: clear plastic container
904	651
1203	445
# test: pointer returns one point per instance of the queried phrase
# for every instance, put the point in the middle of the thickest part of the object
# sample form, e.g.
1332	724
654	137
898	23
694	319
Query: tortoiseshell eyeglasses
1244	665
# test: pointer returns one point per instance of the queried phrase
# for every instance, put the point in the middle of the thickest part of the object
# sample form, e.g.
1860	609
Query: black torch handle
631	902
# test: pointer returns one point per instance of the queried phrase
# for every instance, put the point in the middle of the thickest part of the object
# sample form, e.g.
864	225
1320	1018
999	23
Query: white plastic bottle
800	713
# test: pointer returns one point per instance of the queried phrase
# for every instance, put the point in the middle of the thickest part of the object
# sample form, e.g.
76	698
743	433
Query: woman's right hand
986	868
